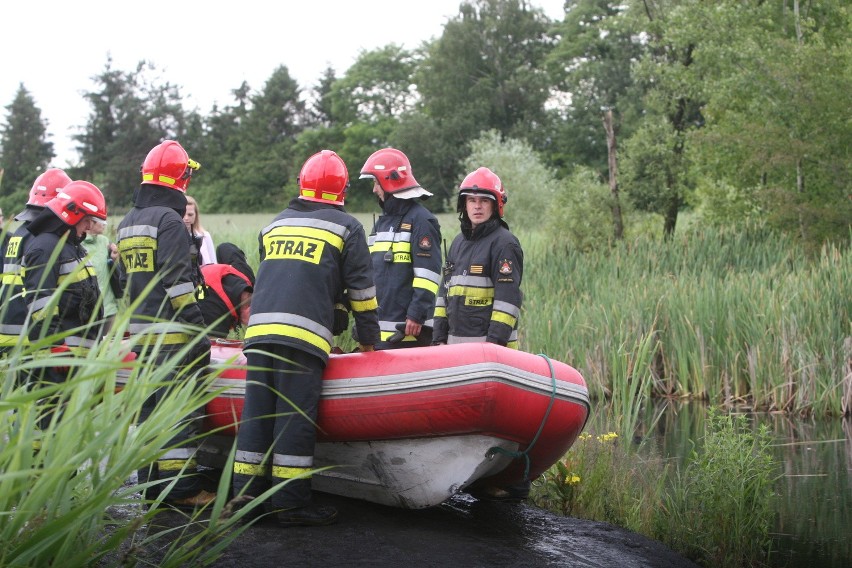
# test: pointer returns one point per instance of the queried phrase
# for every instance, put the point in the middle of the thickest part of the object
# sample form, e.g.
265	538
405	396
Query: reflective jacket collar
483	229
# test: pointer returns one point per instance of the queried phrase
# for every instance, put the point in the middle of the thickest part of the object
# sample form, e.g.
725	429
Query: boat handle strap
525	453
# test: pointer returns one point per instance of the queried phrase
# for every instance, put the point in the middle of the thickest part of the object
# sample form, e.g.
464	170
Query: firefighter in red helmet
309	254
154	252
405	249
45	187
63	296
480	296
480	299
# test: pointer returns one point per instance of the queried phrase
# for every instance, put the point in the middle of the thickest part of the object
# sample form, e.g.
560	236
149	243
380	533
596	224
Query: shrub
602	478
718	510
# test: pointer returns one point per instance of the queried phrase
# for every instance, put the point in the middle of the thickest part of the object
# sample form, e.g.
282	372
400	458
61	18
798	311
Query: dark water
814	493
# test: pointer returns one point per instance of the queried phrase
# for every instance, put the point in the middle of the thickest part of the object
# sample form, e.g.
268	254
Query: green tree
591	64
266	162
217	150
376	87
322	130
656	170
777	84
25	151
484	72
581	213
130	114
320	112
531	186
367	103
591	68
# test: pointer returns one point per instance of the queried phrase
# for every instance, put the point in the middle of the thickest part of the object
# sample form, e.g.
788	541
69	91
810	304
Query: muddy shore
461	532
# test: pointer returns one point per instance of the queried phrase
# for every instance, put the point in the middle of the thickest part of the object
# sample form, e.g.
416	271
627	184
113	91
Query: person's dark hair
229	253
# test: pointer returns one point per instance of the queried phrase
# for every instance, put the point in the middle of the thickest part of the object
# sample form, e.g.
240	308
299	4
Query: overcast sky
208	48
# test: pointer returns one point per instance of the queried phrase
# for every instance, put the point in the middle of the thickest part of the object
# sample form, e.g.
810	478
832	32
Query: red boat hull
475	389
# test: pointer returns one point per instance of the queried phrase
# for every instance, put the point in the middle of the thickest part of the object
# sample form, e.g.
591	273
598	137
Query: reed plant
741	317
68	493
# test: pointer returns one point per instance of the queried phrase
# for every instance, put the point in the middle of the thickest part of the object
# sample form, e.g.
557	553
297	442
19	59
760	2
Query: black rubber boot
310	516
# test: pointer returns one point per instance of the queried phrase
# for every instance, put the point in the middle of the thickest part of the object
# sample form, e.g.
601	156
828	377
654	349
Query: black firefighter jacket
480	299
405	248
62	291
310	254
14	312
154	247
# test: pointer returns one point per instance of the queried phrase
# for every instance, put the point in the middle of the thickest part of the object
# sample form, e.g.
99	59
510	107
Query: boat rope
525	454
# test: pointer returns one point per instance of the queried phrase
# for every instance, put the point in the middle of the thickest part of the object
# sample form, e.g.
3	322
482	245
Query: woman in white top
192	220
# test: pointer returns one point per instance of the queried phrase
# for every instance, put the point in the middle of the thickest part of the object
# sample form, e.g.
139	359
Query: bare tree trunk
800	174
670	217
800	188
617	221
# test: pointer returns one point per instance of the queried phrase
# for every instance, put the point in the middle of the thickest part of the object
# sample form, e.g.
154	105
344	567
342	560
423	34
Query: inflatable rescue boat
411	427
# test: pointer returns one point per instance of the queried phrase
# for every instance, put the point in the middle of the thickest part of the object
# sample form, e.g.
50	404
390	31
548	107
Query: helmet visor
466	192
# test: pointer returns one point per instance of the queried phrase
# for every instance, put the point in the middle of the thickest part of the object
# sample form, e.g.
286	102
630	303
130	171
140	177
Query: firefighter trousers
277	433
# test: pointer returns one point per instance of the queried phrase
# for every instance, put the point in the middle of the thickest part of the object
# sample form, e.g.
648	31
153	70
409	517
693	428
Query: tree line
730	110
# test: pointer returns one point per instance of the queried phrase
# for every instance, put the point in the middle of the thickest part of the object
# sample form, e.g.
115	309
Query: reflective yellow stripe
385	335
175	465
165	339
10	340
503	317
440	312
426	284
399	247
183	301
471	291
289	331
12	280
249	468
364	305
381	246
331	238
283	472
39	315
141	241
326	196
162	178
83	272
512	345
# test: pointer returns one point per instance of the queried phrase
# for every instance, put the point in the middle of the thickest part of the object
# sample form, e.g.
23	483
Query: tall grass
66	494
604	479
740	317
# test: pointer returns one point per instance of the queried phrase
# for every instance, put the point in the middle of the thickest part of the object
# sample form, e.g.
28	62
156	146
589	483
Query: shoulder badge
476	269
425	243
505	266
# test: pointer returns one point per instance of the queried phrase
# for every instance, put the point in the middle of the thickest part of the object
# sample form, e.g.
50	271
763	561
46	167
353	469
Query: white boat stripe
418	381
